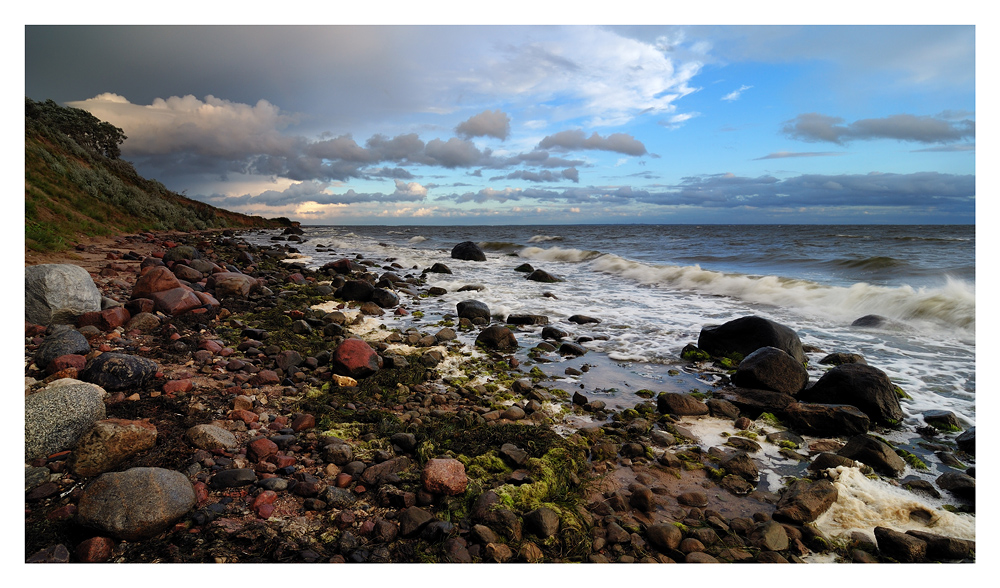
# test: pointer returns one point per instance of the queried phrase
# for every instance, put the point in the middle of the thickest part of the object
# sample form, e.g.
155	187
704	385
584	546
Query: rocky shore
195	398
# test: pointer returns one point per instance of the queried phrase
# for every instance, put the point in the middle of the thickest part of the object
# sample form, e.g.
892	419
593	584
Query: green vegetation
911	459
76	186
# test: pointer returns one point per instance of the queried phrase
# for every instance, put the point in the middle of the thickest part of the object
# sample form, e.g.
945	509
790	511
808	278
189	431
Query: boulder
497	338
842	358
839	420
176	301
959	484
863	386
359	290
753	401
444	476
468	251
384	298
941	548
56	417
770	368
875	453
109	443
740	464
680	404
156	279
63	340
181	253
527	319
187	273
581	319
356	359
554	333
804	500
542	521
542	276
118	371
473	309
748	334
900	546
967	441
231	284
210	437
439	268
137	503
58	293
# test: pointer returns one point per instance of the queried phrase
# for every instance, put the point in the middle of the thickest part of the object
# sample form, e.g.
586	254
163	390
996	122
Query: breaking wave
544	238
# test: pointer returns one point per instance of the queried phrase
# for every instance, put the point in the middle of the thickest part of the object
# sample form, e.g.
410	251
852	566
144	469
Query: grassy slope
71	192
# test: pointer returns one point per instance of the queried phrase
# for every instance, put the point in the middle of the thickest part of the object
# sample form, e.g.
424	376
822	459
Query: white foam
863	504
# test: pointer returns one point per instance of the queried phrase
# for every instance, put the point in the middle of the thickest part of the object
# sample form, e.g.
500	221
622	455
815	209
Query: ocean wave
498	245
417	239
559	254
933	239
544	238
877	262
953	304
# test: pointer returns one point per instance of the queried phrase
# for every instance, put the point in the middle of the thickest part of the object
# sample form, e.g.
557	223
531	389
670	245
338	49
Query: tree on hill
86	129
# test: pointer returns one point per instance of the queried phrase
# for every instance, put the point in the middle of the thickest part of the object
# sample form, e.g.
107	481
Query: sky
536	124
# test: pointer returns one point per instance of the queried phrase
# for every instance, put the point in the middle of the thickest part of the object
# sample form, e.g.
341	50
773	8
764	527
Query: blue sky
536	124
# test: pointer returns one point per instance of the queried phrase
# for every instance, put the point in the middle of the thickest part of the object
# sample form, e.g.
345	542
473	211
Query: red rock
62	513
265	497
155	279
297	278
303	422
176	301
95	550
400	312
200	492
265	510
261	449
445	476
208	299
77	362
344	480
139	305
210	345
177	386
33	330
356	359
282	461
243	415
265	378
112	318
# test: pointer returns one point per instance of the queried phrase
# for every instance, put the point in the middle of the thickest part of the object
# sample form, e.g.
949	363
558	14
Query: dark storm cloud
489	123
576	139
815	127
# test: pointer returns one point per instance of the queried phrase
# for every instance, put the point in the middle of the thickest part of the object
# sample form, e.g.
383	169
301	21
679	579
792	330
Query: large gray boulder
58	293
56	417
137	503
748	334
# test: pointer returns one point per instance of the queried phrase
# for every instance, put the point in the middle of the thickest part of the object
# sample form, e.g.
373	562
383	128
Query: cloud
542	176
947	148
575	139
921	191
316	192
815	127
735	94
212	127
784	154
489	123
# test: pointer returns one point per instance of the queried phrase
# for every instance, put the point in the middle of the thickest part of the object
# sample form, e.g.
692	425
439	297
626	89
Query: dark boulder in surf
863	386
473	310
748	334
771	369
826	419
468	251
871	321
542	276
497	337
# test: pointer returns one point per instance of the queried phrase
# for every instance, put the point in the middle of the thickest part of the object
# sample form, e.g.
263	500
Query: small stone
95	550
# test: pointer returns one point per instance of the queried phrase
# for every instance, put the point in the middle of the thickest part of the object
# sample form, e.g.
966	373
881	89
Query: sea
654	287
